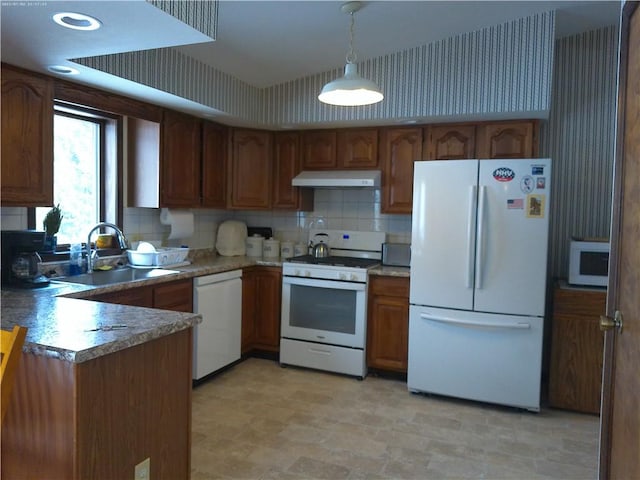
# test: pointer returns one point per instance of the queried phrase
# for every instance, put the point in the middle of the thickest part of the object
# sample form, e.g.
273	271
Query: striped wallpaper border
203	16
505	70
580	138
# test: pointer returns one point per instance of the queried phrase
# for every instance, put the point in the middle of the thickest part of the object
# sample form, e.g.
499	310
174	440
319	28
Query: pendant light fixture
351	90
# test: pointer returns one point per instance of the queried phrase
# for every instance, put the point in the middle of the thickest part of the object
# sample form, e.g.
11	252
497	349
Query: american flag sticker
515	204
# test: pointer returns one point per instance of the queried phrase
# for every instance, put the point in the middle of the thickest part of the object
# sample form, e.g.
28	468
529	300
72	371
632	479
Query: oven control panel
325	272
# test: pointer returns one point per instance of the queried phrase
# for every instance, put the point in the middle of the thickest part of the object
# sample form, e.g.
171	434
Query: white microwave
589	263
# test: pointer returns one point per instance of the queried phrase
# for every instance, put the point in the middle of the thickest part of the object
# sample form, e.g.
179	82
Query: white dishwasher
216	341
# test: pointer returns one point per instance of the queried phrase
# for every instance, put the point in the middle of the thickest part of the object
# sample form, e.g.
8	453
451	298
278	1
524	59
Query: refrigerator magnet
526	184
535	205
541	183
515	204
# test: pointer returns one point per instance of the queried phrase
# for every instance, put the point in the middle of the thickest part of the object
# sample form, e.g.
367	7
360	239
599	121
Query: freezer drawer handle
471	323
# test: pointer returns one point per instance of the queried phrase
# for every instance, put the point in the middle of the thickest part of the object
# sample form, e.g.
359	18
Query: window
84	172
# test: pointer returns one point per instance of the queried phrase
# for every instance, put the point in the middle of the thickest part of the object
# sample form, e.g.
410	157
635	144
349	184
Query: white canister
286	250
254	246
300	249
271	248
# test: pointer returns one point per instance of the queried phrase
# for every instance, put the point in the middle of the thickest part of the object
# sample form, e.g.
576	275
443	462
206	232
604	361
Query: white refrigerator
478	279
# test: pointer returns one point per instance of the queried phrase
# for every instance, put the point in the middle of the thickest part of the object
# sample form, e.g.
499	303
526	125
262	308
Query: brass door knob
608	323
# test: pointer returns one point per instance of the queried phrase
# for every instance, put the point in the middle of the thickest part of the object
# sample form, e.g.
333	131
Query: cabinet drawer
389	286
137	297
176	296
579	302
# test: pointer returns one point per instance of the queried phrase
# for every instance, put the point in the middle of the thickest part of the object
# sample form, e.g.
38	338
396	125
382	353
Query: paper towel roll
181	222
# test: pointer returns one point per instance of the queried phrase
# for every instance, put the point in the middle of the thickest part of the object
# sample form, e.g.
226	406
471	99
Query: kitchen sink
119	275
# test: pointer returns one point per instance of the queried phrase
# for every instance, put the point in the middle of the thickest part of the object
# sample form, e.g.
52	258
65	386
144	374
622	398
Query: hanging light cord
351	55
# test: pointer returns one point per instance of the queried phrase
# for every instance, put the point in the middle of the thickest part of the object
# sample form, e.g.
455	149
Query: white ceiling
263	43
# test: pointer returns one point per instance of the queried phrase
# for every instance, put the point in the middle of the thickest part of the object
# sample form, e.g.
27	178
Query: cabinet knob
608	323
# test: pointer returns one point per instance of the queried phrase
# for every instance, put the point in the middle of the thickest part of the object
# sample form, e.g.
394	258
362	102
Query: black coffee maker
20	259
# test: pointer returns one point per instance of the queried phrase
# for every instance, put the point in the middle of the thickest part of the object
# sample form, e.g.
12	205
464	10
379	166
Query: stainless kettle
321	249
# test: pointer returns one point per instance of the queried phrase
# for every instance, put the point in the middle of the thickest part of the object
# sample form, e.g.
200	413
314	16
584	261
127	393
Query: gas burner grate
352	262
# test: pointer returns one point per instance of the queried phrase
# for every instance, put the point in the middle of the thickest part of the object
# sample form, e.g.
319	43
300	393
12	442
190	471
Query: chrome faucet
122	241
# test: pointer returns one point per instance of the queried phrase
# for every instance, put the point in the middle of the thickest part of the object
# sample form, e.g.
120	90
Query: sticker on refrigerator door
537	169
503	174
541	183
526	184
515	204
535	206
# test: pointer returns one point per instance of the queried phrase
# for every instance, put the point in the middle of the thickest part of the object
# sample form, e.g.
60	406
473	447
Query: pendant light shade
351	90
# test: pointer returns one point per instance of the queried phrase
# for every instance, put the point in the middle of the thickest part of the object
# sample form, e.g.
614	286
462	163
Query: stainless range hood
337	178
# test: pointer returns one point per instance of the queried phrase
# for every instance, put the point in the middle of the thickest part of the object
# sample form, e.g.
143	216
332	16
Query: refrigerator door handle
471	226
471	323
481	234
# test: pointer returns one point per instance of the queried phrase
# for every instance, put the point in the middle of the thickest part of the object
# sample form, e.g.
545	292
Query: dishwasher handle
217	278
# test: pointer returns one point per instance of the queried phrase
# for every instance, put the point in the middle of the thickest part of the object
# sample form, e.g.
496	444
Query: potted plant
51	224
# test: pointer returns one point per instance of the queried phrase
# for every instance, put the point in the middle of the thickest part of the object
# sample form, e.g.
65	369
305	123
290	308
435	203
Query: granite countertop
390	271
64	323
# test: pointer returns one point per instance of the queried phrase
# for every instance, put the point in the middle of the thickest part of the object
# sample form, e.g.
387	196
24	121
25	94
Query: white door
443	233
512	236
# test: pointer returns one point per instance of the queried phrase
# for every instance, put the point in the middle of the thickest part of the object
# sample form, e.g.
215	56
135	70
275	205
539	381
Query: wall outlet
143	470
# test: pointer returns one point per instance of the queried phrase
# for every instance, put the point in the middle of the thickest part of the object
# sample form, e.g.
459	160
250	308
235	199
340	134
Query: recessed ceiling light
63	69
77	21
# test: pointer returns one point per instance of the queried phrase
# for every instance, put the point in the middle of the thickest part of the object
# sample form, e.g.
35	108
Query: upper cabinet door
214	169
286	165
27	139
180	161
250	166
507	140
319	149
399	148
358	148
450	142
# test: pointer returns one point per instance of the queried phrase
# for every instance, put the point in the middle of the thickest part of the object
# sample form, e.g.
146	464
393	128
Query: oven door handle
314	282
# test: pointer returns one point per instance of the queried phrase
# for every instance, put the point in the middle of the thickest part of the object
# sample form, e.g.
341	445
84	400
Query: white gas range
324	303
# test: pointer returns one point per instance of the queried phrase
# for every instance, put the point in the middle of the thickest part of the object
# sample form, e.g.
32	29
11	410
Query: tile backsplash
349	209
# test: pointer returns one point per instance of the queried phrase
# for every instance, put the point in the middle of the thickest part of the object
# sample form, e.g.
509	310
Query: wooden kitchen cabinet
250	167
449	142
319	149
136	297
176	296
180	160
286	165
98	419
507	139
214	165
261	299
27	139
576	349
357	148
388	323
399	148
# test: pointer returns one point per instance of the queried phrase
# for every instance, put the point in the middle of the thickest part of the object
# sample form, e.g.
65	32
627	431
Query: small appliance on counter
396	254
231	238
20	259
589	261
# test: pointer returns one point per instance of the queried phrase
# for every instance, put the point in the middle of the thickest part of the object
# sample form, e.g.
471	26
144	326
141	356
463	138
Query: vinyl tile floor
260	421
